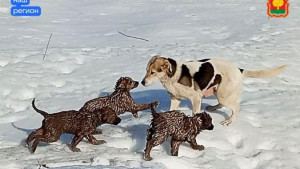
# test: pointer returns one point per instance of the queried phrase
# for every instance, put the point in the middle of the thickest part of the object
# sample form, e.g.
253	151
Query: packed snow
86	56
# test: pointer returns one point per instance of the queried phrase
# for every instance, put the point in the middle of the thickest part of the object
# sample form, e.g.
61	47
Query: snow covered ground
87	55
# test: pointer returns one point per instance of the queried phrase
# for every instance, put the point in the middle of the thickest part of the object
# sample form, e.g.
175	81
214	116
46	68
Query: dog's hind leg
75	141
35	144
174	147
215	107
29	139
152	143
32	136
149	146
235	111
94	141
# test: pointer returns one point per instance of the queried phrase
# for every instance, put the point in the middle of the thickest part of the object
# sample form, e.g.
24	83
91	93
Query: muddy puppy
82	124
120	101
177	125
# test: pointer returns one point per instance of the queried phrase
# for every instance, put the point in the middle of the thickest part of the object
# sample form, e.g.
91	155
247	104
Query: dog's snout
210	127
136	83
143	82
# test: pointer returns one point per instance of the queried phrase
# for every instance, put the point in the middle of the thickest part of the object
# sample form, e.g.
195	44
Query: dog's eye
152	73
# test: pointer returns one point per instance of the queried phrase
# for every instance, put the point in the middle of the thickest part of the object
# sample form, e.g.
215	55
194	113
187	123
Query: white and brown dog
195	79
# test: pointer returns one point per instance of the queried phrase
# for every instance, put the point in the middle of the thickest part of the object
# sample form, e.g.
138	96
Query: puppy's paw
100	142
200	147
75	149
174	154
135	114
147	158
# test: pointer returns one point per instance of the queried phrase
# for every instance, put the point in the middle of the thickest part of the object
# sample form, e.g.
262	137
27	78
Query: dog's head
157	68
107	115
205	121
126	83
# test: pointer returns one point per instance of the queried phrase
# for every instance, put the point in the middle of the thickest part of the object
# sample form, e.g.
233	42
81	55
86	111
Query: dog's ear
169	66
166	67
152	60
121	84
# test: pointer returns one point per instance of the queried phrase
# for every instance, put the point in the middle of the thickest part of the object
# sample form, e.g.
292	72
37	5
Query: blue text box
26	11
20	2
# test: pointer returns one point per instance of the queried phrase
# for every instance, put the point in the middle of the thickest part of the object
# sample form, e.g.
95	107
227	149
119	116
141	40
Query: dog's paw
135	114
100	142
75	149
148	158
226	122
200	147
174	154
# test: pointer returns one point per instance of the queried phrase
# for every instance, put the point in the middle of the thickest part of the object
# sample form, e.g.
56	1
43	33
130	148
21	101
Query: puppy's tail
43	113
263	73
153	110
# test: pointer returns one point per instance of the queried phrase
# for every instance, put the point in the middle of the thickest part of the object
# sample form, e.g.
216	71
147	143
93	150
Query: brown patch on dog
185	77
177	125
204	75
173	67
203	60
217	81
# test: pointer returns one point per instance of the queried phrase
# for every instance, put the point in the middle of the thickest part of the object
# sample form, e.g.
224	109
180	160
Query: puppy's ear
121	84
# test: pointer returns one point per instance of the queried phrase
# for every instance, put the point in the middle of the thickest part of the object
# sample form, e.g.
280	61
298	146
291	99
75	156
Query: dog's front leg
196	103
138	107
75	141
175	147
94	141
194	145
175	102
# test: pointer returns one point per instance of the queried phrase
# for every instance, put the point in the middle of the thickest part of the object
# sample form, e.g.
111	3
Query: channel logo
22	8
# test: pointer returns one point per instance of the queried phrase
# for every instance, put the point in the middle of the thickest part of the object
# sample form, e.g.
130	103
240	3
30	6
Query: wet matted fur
81	124
120	101
177	125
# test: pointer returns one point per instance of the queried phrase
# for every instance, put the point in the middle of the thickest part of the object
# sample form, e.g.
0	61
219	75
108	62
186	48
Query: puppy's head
126	83
157	68
109	116
205	121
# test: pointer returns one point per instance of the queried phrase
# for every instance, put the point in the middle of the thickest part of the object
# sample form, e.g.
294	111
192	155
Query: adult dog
195	79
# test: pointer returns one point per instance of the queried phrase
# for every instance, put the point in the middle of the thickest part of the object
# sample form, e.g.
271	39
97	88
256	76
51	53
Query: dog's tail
153	110
43	113
263	73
